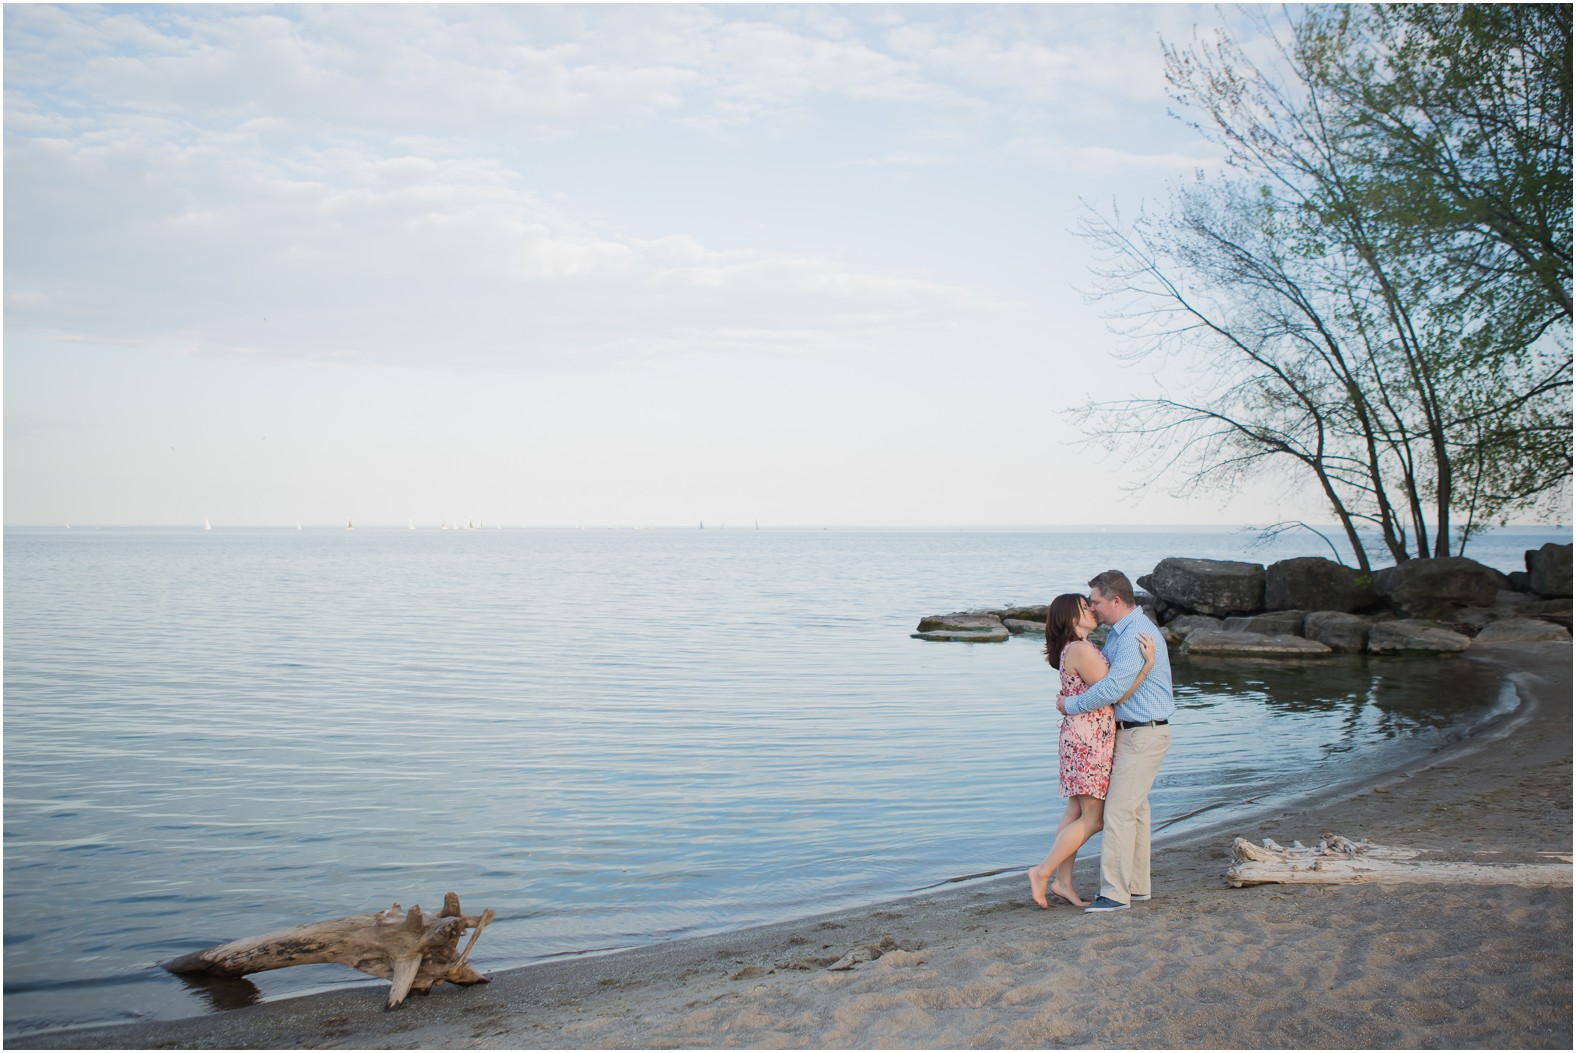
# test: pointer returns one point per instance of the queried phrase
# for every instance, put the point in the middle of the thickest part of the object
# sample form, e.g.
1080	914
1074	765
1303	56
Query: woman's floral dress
1087	743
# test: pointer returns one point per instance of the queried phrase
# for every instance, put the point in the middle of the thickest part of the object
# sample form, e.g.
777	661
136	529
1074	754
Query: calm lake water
610	737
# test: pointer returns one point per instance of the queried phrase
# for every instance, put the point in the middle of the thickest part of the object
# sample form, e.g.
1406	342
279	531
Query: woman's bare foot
1037	883
1066	893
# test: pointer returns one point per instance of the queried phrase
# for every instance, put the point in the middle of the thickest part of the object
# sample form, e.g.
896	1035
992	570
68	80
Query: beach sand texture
979	966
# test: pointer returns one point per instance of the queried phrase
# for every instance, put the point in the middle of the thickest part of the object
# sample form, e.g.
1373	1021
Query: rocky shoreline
1310	607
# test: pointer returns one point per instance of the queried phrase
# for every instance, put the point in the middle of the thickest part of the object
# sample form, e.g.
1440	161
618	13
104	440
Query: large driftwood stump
414	950
1337	861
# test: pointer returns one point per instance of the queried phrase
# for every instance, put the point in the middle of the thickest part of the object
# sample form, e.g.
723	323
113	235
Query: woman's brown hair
1061	625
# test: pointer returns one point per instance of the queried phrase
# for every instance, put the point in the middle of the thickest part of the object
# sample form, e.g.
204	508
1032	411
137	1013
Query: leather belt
1123	725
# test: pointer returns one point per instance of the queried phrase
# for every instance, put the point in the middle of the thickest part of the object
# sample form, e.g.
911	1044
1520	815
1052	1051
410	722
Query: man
1143	735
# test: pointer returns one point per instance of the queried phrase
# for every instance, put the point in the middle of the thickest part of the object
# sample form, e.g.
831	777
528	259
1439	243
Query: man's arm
1125	667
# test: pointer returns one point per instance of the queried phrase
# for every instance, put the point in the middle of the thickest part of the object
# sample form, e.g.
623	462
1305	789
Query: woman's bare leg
1069	839
1062	883
1040	876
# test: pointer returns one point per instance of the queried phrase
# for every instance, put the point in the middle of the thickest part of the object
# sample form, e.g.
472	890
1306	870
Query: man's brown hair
1113	584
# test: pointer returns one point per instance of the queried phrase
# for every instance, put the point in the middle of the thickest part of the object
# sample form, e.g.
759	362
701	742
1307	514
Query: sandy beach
978	965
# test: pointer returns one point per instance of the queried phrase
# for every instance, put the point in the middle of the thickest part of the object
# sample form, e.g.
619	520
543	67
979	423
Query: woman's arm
1083	658
1146	646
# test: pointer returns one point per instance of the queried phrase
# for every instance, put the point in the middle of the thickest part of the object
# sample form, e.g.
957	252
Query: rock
1520	580
1041	614
1520	630
962	621
1339	631
1220	642
1016	626
868	953
1312	583
1428	588
996	635
1187	623
809	962
1271	623
1414	636
1508	600
1208	586
1557	611
1469	621
1549	570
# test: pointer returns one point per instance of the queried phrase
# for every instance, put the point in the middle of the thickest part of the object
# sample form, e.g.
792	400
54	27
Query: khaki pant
1124	845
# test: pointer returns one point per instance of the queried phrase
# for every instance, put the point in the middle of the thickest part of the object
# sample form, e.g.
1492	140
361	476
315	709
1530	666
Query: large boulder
1558	611
1509	601
1312	583
1270	623
1549	570
1018	626
1187	623
1469	621
1520	630
1252	645
962	621
1410	636
996	635
1428	588
1338	630
1208	586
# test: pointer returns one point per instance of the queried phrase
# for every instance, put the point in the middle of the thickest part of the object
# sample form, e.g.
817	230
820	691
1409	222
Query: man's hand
1061	706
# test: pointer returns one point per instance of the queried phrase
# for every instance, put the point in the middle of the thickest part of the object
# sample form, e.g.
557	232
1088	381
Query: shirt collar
1126	621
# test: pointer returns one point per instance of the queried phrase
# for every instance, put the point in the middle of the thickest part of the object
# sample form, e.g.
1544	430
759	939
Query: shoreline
978	965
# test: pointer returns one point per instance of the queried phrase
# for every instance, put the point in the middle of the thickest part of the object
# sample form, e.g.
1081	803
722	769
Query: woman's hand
1146	647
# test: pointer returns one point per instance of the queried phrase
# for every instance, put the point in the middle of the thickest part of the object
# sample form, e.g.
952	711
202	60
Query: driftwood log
1337	861
412	949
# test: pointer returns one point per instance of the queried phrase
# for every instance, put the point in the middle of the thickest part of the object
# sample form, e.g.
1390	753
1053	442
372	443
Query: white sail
205	524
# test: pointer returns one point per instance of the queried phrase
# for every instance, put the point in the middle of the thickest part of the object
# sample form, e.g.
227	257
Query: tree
1462	113
1374	297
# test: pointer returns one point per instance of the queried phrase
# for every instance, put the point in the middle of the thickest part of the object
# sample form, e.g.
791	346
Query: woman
1087	741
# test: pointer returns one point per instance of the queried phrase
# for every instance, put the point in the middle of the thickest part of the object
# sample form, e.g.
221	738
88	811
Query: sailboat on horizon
205	524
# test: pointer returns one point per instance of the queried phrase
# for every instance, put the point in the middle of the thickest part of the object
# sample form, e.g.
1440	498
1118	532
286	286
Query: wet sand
1202	965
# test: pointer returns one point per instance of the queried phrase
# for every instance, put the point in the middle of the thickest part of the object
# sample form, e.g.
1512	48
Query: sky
642	265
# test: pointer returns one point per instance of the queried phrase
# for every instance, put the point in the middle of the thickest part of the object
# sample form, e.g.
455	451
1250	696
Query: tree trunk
412	949
1337	861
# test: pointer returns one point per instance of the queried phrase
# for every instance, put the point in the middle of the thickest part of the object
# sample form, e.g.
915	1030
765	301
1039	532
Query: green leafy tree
1373	297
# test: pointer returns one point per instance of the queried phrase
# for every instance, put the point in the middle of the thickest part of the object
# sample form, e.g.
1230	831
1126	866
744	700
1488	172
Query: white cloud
406	258
360	177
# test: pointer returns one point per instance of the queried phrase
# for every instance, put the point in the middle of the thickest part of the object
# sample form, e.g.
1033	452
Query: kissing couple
1116	704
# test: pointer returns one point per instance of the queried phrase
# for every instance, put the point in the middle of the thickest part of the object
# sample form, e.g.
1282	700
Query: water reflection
221	993
1424	692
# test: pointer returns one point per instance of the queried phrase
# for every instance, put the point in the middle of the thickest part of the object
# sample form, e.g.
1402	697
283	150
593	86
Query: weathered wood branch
414	950
1337	861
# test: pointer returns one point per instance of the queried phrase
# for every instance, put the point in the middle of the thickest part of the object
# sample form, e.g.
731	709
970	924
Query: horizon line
720	525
